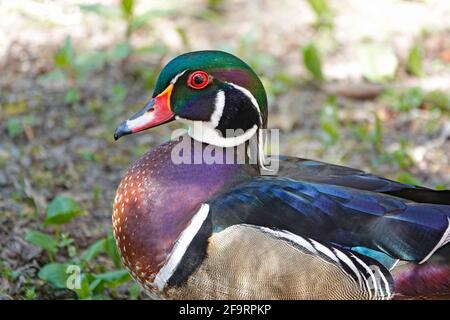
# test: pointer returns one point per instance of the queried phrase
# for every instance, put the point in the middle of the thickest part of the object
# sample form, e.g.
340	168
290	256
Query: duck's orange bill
156	112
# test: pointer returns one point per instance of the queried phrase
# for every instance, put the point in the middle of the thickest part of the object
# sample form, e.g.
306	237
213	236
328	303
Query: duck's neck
248	143
160	194
204	132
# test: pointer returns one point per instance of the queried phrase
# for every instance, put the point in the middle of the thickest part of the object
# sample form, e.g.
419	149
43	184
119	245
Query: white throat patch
202	132
206	131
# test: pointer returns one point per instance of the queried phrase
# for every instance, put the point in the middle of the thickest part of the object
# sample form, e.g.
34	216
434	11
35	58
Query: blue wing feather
384	259
316	171
349	217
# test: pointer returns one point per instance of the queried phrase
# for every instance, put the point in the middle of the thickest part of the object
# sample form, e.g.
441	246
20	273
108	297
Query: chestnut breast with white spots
155	202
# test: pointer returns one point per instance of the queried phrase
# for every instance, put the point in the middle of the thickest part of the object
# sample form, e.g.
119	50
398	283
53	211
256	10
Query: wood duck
227	230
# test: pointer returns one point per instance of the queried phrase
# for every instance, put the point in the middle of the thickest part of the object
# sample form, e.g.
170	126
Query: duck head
217	94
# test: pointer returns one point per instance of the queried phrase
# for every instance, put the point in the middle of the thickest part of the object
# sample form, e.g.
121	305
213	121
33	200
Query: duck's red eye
198	80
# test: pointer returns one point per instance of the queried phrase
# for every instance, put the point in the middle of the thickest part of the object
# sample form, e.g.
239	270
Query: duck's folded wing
316	171
251	262
347	217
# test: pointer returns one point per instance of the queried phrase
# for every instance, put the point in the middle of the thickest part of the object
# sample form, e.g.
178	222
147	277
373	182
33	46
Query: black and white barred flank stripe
372	277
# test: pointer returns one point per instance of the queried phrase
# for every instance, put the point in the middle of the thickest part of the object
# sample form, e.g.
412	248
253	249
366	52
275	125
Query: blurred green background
358	83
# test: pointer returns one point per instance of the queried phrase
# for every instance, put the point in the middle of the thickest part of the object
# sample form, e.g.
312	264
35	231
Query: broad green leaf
127	7
96	285
414	64
441	187
401	155
55	274
65	241
329	121
14	127
378	63
360	130
111	250
83	292
93	250
72	96
413	98
377	133
61	210
64	56
410	99
324	14
72	251
215	5
311	59
114	278
438	100
134	291
30	294
109	279
320	7
42	240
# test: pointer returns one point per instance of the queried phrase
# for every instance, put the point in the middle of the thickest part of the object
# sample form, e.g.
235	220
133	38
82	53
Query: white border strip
444	240
180	247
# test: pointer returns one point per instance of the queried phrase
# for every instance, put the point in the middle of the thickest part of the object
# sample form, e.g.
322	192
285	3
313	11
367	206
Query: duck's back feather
316	171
